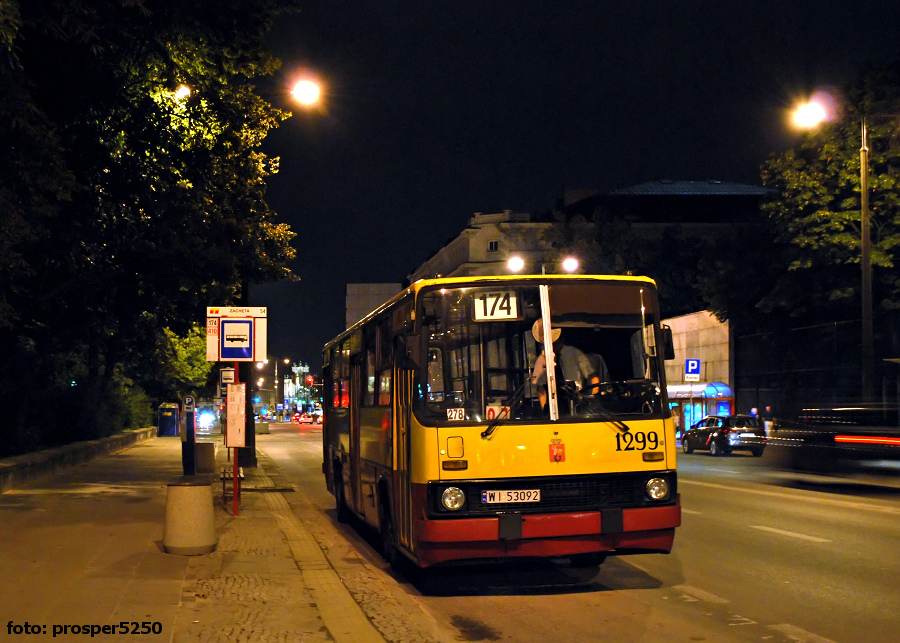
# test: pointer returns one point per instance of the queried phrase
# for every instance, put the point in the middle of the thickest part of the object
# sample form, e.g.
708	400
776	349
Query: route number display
496	306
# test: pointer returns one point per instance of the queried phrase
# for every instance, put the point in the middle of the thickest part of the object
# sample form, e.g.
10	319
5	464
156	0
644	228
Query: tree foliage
608	244
126	206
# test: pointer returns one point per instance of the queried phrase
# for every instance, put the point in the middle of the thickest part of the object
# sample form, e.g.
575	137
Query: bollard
190	527
205	457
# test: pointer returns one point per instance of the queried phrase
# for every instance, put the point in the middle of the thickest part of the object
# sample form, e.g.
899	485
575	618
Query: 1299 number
636	441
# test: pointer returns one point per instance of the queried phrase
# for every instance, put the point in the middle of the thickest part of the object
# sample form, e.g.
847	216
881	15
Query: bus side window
435	375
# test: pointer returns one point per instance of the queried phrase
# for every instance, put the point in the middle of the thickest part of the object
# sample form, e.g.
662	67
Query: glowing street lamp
517	264
307	92
808	115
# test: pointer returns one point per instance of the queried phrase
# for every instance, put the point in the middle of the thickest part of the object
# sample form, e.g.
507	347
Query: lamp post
275	387
810	115
868	330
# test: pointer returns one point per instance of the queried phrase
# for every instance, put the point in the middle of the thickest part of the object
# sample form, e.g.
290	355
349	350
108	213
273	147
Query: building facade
484	247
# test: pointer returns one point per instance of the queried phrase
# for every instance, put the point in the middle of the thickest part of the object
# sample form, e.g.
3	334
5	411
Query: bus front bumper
626	531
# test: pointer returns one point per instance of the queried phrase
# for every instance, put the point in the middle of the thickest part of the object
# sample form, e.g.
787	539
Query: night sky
438	110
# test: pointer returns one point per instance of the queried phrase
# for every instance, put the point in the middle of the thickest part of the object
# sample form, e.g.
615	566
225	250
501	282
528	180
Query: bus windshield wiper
514	400
611	419
595	407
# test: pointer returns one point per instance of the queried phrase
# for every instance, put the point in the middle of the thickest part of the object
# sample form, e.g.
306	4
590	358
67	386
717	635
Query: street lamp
308	90
810	115
517	263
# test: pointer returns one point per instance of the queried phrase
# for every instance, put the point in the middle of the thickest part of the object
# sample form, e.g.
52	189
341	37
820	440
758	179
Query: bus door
402	486
356	383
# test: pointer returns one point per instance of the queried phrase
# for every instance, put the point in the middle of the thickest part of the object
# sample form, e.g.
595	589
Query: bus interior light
453	498
657	488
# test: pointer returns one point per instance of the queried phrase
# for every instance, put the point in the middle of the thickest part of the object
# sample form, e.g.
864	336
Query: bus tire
388	549
340	500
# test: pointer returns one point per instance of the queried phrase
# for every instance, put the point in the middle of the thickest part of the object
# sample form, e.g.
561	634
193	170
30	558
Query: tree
127	205
609	245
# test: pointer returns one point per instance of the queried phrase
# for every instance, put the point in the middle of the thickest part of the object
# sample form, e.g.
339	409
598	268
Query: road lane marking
798	634
791	534
699	594
691	512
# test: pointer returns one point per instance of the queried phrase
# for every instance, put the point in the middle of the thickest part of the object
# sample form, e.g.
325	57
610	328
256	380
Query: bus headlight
453	498
657	488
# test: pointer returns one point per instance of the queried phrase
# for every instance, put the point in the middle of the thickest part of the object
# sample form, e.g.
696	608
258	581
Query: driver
575	365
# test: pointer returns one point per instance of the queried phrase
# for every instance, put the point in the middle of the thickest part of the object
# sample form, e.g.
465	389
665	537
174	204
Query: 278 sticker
456	415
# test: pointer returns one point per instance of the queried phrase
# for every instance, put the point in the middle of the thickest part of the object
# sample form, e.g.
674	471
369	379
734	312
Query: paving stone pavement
84	548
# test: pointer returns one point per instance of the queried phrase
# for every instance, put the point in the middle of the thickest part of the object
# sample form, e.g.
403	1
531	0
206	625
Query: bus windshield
485	348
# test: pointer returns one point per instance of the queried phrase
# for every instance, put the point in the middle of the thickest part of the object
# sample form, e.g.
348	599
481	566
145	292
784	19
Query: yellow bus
505	416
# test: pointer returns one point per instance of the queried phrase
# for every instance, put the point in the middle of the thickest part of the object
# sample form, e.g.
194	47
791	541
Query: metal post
235	467
868	335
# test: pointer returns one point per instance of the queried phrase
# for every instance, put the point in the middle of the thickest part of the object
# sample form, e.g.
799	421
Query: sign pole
234	477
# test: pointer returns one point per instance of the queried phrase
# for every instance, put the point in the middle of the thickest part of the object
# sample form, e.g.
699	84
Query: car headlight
657	488
453	498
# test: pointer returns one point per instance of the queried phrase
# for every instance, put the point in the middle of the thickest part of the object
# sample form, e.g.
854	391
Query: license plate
522	495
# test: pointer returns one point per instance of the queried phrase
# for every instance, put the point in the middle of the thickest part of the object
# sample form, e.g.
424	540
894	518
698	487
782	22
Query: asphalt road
761	556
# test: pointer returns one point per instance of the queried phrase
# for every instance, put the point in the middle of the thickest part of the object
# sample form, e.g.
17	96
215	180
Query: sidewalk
84	548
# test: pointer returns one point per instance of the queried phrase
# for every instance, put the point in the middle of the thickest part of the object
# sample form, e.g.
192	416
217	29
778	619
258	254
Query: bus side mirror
413	352
668	343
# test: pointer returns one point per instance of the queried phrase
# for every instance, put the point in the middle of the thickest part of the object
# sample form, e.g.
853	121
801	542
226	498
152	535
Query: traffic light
309	380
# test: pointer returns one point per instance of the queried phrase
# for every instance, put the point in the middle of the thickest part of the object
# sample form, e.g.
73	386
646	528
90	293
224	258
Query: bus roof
415	287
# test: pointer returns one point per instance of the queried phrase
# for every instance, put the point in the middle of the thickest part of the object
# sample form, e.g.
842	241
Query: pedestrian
768	419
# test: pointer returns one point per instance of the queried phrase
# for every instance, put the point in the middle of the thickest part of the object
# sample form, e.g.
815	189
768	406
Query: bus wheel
592	559
388	550
343	512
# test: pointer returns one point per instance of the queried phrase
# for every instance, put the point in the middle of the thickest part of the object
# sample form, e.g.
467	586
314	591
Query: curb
21	469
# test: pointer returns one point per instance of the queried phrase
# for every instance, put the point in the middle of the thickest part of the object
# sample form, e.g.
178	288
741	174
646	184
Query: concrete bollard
190	527
205	457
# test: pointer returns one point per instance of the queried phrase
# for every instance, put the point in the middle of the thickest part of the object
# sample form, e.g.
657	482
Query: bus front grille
576	493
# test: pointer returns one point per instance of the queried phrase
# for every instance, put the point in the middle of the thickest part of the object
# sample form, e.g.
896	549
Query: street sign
188	405
236	340
226	376
692	370
236	334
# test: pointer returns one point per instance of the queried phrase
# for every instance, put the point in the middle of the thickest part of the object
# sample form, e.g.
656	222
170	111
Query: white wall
700	336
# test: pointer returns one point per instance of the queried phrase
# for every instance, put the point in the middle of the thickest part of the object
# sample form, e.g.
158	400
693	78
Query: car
303	418
722	434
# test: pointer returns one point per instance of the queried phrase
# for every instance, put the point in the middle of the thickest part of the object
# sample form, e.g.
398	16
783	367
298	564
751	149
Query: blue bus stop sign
236	336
